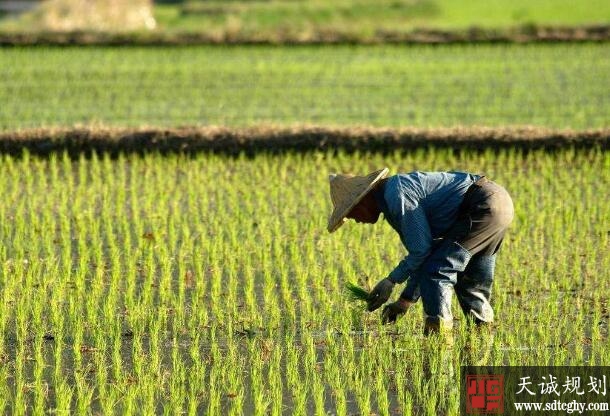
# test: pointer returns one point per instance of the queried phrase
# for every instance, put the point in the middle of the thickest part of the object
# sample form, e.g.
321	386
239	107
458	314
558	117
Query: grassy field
358	18
364	17
209	284
558	86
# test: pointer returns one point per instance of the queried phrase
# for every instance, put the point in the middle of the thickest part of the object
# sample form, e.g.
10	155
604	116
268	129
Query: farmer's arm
417	238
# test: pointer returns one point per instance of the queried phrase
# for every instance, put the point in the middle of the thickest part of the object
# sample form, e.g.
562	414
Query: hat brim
337	218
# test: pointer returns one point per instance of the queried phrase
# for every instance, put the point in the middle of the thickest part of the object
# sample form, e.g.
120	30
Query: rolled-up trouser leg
436	286
473	289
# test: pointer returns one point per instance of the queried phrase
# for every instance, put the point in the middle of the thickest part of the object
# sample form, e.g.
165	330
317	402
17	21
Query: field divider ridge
519	34
263	139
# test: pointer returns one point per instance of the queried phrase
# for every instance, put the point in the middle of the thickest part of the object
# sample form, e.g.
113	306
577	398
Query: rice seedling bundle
356	293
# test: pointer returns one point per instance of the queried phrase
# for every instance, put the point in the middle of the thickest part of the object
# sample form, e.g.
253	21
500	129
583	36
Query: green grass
210	285
558	86
364	17
357	18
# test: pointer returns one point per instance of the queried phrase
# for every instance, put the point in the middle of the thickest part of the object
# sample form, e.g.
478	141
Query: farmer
452	225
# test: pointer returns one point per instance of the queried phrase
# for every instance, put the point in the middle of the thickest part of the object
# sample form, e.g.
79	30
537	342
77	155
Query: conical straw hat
346	191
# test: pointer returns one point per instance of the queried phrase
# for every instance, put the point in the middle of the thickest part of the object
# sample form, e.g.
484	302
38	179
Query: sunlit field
356	19
209	284
362	18
553	86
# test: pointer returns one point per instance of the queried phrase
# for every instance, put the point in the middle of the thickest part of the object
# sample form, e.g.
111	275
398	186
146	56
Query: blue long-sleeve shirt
421	206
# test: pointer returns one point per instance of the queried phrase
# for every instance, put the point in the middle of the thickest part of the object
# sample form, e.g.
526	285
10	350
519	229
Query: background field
360	19
363	18
559	86
209	284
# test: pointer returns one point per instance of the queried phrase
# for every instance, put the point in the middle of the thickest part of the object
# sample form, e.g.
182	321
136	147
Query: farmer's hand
380	294
392	311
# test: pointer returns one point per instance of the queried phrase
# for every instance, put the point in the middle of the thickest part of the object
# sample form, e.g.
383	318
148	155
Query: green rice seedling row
208	284
556	86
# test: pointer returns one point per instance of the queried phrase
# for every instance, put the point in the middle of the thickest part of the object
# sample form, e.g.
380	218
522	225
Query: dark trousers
484	216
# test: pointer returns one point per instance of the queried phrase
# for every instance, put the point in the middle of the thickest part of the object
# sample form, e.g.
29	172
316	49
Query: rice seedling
539	85
208	284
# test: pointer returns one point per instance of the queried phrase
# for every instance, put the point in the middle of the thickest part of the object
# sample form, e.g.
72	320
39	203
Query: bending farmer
452	225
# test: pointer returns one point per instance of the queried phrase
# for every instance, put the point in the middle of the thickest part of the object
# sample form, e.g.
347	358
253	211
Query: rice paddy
194	283
208	284
554	86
